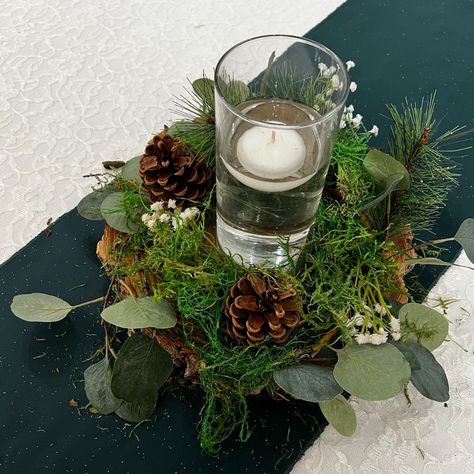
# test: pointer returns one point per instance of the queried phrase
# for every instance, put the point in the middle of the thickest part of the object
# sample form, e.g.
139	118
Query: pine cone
168	172
255	309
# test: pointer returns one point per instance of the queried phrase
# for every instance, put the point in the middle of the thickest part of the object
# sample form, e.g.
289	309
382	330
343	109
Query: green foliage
351	179
371	372
137	411
387	173
130	169
425	153
40	307
465	236
89	206
344	268
141	368
120	214
312	383
137	313
422	324
340	415
97	380
427	375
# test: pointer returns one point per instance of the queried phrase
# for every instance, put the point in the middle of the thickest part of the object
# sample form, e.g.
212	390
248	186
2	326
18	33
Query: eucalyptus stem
80	305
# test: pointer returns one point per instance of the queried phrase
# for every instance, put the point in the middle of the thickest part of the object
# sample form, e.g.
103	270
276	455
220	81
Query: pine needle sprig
428	157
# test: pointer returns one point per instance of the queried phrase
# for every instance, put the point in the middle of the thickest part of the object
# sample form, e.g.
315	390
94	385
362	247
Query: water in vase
270	180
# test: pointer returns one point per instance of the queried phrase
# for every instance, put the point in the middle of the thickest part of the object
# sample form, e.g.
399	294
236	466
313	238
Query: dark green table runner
401	49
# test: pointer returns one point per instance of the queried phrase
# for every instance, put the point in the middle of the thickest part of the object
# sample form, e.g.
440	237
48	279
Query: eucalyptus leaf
427	375
340	415
97	379
113	211
40	308
308	382
371	372
427	261
89	206
204	88
134	412
409	355
392	185
137	313
424	325
131	169
141	368
465	236
384	170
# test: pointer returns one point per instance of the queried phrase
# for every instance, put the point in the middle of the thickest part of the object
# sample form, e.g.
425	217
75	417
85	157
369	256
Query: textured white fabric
82	81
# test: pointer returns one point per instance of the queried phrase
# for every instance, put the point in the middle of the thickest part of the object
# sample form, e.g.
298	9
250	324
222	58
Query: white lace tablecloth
83	81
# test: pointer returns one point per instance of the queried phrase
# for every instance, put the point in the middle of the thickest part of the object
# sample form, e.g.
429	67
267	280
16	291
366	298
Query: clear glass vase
279	101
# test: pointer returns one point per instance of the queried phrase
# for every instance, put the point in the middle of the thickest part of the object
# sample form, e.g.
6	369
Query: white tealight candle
271	153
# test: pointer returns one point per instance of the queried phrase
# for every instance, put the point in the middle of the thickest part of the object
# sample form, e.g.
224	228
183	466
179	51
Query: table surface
82	82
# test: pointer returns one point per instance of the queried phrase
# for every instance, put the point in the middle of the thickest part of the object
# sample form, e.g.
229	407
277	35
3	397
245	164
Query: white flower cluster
348	118
168	213
364	332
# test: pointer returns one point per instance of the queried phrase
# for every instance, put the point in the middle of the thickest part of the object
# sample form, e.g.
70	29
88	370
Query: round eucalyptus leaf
130	169
89	206
371	372
204	88
384	170
422	324
137	313
340	415
141	368
312	383
97	378
427	375
134	412
39	308
113	211
465	236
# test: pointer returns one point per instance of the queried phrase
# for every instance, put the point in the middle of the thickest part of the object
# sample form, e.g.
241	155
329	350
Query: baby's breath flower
358	319
350	64
363	338
357	120
394	325
349	109
172	204
146	218
396	336
378	308
374	130
157	206
189	213
150	223
335	82
322	67
377	339
164	218
353	86
174	223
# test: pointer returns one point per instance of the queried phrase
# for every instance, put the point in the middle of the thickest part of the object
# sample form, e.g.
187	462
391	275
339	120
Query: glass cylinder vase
279	101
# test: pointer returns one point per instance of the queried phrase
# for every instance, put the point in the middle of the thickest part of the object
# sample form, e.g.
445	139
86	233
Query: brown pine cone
255	309
168	172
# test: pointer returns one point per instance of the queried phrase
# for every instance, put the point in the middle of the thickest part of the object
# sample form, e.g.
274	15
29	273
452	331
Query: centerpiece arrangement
299	290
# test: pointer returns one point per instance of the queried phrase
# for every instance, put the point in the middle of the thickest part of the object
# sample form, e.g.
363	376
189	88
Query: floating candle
271	153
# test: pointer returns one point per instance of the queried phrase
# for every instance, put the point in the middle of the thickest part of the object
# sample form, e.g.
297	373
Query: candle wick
273	136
